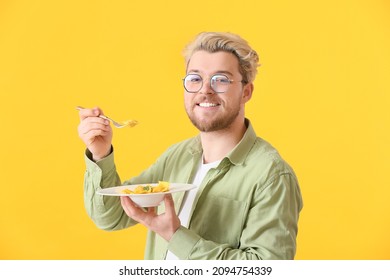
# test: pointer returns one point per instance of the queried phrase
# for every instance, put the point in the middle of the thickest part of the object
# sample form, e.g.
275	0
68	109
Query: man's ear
247	92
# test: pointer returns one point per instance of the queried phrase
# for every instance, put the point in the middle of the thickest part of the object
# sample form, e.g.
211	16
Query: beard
220	121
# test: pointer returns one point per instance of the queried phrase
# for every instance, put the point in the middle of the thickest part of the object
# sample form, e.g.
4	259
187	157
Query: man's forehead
221	62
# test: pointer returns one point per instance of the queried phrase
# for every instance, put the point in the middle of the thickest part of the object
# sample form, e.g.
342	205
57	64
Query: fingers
89	112
127	205
169	204
93	123
132	210
173	220
165	224
152	210
95	132
91	128
136	212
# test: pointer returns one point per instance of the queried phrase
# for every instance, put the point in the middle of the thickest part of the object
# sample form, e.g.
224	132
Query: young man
248	199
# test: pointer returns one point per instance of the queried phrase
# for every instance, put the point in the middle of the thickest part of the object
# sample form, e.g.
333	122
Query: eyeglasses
219	83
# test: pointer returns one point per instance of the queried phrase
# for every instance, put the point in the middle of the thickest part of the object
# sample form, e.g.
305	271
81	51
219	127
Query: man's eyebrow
216	72
224	72
193	71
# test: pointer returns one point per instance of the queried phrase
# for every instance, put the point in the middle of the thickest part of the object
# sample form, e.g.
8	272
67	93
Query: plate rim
187	185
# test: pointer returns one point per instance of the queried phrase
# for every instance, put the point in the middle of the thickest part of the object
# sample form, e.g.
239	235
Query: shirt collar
239	153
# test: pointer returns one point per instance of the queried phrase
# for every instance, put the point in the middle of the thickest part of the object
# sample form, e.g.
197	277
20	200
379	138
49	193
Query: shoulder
265	159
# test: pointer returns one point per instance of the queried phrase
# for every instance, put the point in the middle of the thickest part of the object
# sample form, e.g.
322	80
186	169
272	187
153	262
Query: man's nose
206	87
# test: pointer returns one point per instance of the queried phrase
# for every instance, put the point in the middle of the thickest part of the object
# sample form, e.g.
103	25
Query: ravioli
145	189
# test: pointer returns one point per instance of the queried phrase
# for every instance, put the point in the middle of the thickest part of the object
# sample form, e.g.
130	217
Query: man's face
210	111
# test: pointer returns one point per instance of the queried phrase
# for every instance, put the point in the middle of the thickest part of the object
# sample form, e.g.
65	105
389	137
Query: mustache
207	100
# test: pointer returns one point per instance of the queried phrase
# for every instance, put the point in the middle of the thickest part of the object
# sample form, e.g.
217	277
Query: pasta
145	189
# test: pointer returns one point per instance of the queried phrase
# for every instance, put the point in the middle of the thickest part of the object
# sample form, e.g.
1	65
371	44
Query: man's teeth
207	105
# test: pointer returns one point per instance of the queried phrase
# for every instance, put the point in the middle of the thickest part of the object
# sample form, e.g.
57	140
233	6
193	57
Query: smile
208	105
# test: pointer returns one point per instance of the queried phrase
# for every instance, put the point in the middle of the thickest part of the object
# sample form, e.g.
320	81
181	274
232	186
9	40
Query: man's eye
221	80
195	80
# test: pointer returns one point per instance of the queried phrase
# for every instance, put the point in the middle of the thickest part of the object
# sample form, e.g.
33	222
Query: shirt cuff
182	243
103	166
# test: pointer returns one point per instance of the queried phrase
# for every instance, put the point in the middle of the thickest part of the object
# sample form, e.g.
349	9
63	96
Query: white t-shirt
189	198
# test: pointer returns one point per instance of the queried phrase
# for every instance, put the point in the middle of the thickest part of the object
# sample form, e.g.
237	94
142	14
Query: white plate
147	199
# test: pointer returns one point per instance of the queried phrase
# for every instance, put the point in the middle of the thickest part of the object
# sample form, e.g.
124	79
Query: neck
217	144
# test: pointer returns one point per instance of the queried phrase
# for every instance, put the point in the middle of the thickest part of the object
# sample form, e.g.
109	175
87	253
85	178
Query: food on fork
127	123
130	123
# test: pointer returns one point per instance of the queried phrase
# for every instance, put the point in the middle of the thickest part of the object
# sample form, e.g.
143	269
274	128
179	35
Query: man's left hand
164	224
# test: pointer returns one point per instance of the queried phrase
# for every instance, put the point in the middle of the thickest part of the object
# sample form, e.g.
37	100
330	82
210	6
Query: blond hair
228	42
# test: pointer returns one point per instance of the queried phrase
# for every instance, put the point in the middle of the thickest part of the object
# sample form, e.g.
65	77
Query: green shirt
246	208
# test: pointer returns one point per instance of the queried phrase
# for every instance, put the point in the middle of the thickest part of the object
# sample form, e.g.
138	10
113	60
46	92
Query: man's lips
207	104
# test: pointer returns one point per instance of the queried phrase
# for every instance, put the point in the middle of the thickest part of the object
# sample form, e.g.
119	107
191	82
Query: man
248	200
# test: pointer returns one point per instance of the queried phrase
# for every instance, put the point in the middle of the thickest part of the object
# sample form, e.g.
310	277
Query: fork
129	123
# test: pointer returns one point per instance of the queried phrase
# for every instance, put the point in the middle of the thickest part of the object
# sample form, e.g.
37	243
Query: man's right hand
95	132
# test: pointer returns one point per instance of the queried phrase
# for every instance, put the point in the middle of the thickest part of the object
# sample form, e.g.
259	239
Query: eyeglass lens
194	82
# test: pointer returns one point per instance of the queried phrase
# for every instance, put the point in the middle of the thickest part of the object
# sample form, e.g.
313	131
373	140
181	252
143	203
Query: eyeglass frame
211	84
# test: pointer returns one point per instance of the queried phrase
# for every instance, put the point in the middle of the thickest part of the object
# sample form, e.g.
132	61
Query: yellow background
321	97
